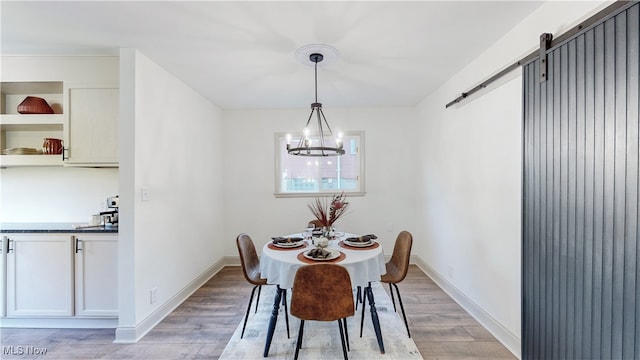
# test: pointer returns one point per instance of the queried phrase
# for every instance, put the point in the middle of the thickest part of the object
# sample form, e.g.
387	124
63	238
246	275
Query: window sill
317	194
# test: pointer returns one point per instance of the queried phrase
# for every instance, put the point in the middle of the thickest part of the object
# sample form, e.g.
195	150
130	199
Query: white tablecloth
280	266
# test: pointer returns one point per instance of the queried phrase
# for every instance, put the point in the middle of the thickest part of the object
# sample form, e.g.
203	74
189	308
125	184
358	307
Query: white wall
390	169
55	194
172	138
471	177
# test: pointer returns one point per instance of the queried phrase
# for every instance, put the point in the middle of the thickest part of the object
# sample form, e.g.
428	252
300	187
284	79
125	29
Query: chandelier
320	142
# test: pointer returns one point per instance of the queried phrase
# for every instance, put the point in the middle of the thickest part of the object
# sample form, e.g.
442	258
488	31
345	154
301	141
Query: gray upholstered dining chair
315	298
397	268
251	271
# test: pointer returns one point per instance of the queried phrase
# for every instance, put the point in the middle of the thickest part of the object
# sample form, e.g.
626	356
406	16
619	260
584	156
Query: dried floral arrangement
328	212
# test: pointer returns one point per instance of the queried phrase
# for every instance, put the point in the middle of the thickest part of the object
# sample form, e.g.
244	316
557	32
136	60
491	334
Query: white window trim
278	194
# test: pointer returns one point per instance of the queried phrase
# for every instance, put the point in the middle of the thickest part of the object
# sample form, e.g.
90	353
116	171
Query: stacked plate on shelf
21	151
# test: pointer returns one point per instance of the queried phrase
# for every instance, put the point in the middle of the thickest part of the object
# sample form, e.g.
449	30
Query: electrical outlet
153	295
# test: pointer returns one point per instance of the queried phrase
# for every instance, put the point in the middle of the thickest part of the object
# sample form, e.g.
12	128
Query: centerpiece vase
327	231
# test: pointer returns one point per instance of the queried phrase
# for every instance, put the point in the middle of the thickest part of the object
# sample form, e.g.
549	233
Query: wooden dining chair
251	271
397	268
322	292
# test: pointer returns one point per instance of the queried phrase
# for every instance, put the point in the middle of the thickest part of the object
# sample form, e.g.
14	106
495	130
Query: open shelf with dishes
22	135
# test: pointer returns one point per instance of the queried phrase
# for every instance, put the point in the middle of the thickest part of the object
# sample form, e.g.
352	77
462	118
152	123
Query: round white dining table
279	265
364	264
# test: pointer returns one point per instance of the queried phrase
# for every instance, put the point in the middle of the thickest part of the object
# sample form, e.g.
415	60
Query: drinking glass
308	235
338	234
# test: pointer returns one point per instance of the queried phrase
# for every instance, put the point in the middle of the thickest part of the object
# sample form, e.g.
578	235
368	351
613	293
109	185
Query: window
309	175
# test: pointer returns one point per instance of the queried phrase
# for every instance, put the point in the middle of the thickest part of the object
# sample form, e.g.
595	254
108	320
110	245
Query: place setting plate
283	245
335	253
289	245
359	243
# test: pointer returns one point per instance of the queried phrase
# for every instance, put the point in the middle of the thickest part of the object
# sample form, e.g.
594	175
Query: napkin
363	238
319	253
284	240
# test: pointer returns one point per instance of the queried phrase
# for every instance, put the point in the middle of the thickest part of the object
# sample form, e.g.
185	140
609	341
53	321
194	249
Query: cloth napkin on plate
284	240
363	238
319	253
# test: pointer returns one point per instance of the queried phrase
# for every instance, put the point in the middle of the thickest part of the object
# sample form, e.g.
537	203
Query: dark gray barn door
581	254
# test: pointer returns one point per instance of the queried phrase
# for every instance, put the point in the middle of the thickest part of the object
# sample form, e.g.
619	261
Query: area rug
322	339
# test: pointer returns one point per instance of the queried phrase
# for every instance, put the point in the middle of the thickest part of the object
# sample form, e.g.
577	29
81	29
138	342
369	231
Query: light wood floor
201	327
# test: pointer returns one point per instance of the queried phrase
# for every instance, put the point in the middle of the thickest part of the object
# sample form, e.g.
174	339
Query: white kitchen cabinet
39	275
91	82
91	130
64	276
96	275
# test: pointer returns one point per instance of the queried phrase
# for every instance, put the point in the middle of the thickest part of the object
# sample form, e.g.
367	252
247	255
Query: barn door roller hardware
547	42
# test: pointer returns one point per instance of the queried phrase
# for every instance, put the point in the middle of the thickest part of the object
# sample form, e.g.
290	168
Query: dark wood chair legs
368	294
346	333
358	296
343	332
257	298
280	293
299	342
246	316
284	302
404	316
401	305
343	340
286	310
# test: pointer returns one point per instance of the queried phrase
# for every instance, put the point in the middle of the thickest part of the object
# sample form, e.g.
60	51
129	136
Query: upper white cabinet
83	93
91	131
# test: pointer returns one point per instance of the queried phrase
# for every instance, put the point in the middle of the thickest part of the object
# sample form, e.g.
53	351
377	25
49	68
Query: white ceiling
241	54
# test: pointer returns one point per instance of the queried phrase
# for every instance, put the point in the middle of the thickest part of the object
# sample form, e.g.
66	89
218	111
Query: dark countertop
7	228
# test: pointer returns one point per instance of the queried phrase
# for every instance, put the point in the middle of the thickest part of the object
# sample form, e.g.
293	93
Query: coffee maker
110	217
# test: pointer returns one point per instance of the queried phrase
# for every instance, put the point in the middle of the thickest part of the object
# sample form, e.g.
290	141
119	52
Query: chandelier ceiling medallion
316	142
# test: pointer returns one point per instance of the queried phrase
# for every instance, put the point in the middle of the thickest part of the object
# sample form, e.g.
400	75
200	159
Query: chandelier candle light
327	144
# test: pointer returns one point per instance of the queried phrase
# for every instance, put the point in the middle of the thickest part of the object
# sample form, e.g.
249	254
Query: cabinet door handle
64	150
9	247
78	248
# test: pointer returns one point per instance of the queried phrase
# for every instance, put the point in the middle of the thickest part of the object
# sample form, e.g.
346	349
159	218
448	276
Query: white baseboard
232	261
131	334
510	340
